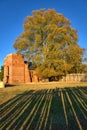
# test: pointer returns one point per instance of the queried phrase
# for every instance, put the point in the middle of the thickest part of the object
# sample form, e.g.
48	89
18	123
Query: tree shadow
48	109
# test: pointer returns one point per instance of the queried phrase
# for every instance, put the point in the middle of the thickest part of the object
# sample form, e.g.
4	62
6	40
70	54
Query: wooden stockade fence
74	78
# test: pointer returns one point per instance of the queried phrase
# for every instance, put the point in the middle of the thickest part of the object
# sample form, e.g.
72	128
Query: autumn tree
83	67
50	43
85	56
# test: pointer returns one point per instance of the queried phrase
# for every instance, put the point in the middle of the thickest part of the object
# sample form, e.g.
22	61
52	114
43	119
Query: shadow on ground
10	85
54	109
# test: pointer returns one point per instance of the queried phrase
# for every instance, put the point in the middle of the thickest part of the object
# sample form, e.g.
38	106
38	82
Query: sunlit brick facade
17	71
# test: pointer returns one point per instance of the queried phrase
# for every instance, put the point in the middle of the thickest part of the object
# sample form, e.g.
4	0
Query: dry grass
12	90
52	85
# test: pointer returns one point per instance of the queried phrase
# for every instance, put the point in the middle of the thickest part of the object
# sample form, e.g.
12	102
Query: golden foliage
49	41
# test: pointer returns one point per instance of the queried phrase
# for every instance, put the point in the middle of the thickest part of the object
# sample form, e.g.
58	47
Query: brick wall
16	71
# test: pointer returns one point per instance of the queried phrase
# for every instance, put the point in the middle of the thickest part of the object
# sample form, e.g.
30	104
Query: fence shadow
63	109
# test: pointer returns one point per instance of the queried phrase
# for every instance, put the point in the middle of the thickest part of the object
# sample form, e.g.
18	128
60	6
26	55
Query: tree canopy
49	41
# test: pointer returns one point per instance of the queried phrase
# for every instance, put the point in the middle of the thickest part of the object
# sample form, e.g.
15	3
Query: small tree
50	43
1	73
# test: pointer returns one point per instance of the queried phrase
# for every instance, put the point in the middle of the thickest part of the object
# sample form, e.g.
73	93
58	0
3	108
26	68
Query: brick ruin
17	71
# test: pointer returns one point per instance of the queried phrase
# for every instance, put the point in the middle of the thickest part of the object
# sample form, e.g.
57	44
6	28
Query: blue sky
13	13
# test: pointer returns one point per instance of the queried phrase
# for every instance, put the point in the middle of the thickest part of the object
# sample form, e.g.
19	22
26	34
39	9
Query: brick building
18	71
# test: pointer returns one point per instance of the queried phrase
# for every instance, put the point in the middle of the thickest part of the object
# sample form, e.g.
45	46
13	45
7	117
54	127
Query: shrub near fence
75	78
